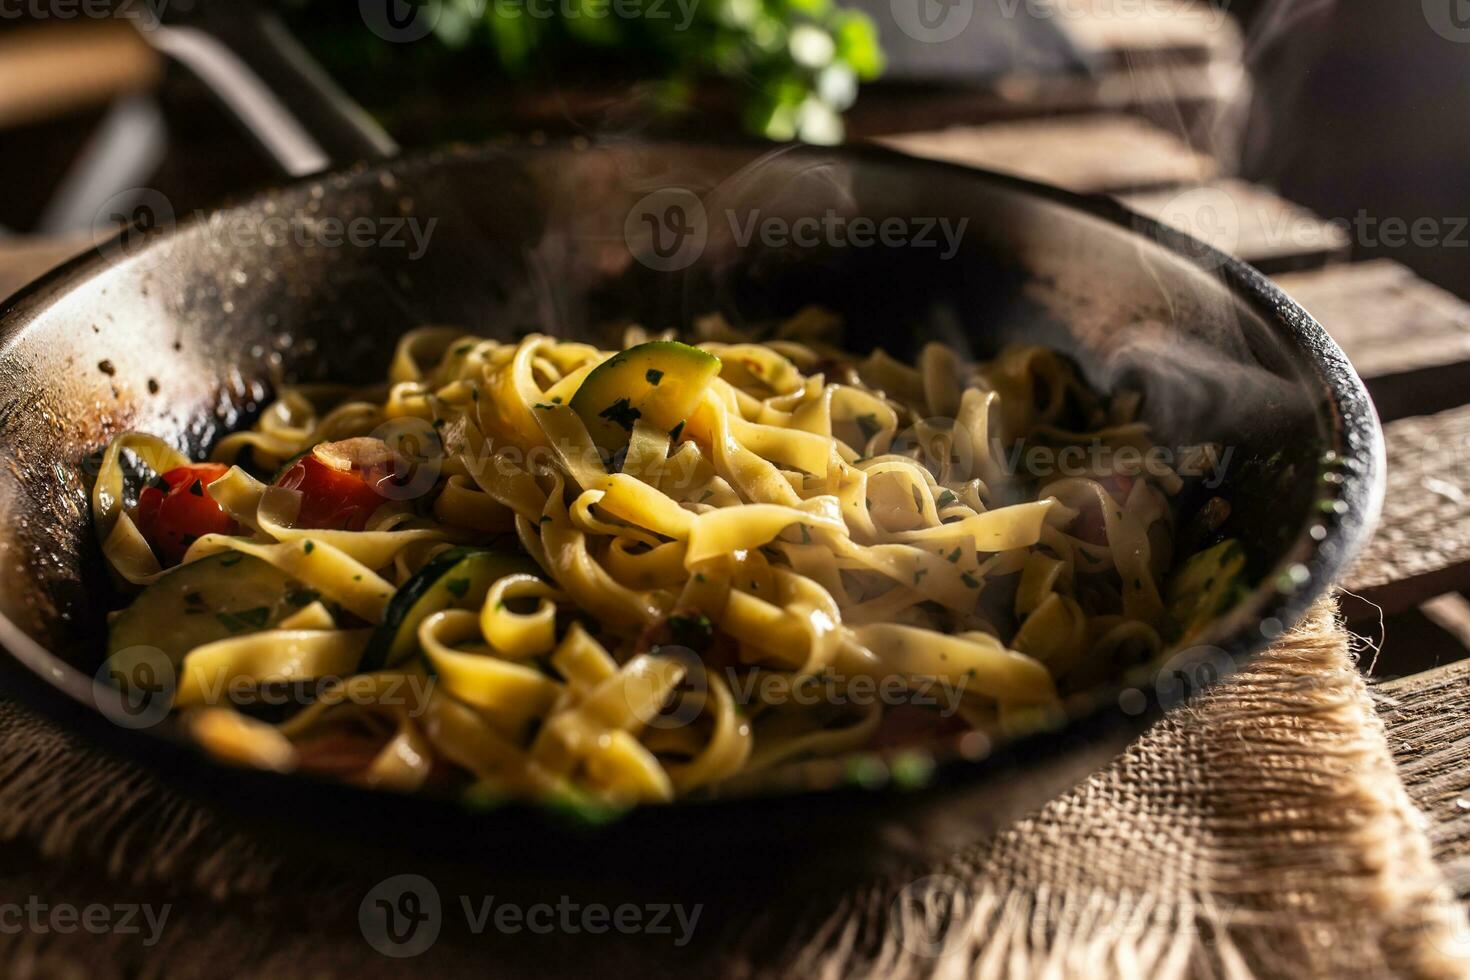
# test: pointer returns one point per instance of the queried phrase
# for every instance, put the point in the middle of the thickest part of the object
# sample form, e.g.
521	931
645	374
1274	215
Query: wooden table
1409	340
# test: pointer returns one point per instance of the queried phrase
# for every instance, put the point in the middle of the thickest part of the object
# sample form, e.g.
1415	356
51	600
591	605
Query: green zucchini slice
456	579
1206	585
210	599
659	382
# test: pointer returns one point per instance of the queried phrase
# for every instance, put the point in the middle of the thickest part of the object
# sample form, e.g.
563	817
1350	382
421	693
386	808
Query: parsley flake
245	620
621	413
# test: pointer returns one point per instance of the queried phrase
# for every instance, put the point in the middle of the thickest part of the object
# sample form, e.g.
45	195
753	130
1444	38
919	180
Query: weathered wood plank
24	259
1422	548
1409	339
1106	153
1249	221
1126	34
55	68
1427	717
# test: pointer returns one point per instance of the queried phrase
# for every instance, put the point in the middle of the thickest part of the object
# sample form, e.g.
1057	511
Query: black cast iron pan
185	331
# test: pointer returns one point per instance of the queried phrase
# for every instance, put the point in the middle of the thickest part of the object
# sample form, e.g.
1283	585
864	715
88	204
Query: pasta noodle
621	605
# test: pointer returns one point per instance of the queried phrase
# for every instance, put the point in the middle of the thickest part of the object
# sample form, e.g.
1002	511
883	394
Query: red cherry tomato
173	515
332	499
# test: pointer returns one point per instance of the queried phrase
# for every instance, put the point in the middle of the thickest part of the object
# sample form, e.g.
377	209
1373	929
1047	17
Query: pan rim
1343	410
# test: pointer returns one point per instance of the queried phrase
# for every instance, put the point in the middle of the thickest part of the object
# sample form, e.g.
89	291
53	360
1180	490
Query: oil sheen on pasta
598	601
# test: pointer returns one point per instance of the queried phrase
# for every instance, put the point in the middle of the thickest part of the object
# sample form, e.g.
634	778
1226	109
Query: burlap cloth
1260	831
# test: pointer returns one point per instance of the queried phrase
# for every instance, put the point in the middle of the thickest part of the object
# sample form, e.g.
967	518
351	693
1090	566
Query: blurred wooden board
1249	221
24	259
1428	721
52	69
1105	153
1409	339
1422	548
1195	98
1125	33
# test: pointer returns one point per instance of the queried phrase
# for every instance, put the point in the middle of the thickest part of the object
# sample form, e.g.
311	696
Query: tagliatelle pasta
541	568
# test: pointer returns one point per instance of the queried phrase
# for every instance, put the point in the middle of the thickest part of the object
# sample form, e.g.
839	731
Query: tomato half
332	499
177	509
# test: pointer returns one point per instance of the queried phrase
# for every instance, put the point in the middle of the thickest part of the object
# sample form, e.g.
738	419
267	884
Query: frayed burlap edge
1260	831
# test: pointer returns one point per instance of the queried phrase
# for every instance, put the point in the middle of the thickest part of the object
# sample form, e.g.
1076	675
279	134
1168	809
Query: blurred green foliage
794	65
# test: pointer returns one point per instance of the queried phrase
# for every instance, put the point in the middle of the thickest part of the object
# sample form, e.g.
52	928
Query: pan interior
187	335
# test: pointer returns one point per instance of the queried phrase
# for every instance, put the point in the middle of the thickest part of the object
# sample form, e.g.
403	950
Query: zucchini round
456	579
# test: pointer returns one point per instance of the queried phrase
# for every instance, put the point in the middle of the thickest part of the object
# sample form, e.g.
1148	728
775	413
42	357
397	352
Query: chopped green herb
621	413
556	400
458	587
654	376
309	547
946	498
245	620
806	534
699	576
706	495
954	556
920	574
